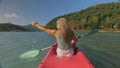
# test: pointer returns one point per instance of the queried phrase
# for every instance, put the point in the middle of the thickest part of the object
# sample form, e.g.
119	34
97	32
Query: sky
23	12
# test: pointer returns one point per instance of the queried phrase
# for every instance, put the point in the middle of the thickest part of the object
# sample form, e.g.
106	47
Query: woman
64	35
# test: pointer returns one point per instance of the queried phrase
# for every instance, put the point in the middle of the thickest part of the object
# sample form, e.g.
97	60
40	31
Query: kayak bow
78	60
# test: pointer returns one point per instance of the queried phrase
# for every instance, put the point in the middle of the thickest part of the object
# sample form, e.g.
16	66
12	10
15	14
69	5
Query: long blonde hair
64	29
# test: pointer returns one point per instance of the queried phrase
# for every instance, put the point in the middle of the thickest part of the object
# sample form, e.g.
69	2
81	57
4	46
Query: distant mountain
16	28
30	28
102	16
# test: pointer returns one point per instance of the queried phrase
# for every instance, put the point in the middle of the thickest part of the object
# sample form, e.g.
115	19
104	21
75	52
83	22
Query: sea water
102	49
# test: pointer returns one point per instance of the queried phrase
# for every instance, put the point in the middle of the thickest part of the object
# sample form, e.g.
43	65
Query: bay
102	49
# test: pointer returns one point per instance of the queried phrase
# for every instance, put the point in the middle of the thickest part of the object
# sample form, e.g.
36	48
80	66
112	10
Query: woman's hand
34	23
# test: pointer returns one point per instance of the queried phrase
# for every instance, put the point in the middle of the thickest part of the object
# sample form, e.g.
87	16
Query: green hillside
102	17
16	28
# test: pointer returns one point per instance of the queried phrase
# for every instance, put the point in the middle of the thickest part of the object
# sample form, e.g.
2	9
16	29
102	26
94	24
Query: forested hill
16	28
102	16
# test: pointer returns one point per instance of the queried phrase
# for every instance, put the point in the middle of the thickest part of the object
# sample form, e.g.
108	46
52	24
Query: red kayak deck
51	60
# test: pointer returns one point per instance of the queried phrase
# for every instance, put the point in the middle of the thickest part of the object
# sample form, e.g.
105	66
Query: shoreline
99	30
108	30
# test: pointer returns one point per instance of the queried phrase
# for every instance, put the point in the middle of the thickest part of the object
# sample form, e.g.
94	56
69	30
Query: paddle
34	53
93	31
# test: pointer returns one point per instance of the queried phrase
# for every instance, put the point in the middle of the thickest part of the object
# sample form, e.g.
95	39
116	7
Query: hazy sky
23	12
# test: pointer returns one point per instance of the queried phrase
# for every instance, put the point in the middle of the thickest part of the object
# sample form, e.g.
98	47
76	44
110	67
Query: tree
94	21
118	23
83	23
107	21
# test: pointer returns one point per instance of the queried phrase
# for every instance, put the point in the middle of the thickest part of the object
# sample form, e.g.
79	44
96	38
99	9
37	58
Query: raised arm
48	31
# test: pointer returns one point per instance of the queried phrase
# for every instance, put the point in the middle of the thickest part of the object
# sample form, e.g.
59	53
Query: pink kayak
51	60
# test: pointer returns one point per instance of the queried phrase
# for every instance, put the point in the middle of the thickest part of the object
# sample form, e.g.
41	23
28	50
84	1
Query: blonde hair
64	29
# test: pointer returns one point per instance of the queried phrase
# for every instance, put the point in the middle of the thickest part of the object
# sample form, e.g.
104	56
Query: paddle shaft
33	53
45	48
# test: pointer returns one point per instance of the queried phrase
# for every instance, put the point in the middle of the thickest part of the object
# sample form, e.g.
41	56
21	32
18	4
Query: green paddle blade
29	54
92	32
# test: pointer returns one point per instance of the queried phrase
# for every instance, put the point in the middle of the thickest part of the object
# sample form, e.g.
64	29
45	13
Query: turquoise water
102	49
